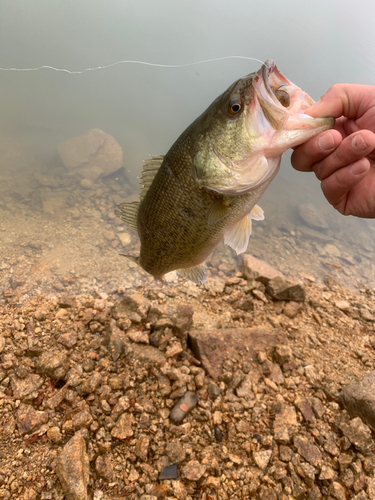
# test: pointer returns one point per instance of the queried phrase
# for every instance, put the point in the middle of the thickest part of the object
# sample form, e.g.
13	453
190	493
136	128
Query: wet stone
308	450
193	470
169	472
183	406
28	419
283	289
73	468
312	216
255	269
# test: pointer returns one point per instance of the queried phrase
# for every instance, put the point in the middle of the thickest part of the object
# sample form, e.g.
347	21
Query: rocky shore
251	386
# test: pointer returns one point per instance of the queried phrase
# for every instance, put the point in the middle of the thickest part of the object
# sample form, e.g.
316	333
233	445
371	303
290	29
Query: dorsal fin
150	169
128	212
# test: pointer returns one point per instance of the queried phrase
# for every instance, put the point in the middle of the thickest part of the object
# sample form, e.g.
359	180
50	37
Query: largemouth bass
207	186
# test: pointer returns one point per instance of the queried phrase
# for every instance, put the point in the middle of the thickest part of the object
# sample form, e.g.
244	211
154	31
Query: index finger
344	99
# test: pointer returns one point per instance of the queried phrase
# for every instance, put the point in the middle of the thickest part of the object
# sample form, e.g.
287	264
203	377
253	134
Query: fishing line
144	63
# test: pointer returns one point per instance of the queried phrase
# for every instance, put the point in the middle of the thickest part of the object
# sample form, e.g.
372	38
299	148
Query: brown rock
54	435
82	419
28	419
115	340
305	408
308	450
91	154
104	467
193	470
141	448
123	428
68	339
291	309
145	353
359	399
283	354
73	468
26	387
175	451
261	458
255	269
285	424
358	434
54	364
91	384
213	347
283	289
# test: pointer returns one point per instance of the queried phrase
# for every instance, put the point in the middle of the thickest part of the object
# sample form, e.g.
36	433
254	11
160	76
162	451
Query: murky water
54	232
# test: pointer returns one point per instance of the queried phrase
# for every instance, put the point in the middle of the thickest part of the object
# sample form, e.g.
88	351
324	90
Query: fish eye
283	97
234	108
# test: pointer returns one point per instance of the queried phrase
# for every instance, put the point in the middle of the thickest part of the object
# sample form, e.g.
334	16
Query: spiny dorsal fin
128	212
150	169
197	274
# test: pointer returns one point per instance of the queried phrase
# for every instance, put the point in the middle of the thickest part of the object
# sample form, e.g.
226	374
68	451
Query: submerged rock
91	154
312	216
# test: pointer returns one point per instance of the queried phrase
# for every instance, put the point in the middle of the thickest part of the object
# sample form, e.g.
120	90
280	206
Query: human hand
343	158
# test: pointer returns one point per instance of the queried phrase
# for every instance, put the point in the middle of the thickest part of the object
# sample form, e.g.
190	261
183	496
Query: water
54	233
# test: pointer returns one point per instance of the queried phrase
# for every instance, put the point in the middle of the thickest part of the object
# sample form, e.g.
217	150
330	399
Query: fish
207	186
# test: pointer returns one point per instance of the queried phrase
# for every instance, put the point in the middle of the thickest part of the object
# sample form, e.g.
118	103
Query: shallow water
54	232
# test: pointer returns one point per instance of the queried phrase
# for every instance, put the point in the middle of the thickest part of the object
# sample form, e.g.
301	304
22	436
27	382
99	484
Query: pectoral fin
238	235
197	274
217	212
257	213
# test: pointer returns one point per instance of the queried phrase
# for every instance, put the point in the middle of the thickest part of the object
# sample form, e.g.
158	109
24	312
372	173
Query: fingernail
358	168
326	142
358	142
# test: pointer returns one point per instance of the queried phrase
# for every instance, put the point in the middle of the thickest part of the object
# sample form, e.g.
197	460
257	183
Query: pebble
193	470
123	428
262	458
308	450
283	289
169	472
28	419
73	468
184	405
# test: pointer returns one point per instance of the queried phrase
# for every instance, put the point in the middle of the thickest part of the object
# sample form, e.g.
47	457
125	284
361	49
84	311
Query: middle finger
352	148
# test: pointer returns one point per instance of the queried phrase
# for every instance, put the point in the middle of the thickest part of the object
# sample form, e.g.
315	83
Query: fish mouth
284	104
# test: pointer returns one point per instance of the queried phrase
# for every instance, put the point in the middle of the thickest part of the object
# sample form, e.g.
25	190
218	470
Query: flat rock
359	399
28	419
285	424
73	468
358	433
312	216
91	154
283	289
261	458
25	387
145	353
213	347
169	472
256	269
308	450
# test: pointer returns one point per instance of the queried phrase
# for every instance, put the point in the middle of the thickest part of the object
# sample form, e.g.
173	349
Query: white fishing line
144	63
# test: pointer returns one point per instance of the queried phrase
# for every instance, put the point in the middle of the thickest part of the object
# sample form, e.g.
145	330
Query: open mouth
285	101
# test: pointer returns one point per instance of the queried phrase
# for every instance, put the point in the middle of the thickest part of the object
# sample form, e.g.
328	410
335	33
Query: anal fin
197	274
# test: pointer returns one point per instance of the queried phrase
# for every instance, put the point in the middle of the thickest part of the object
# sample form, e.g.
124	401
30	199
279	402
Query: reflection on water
56	232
